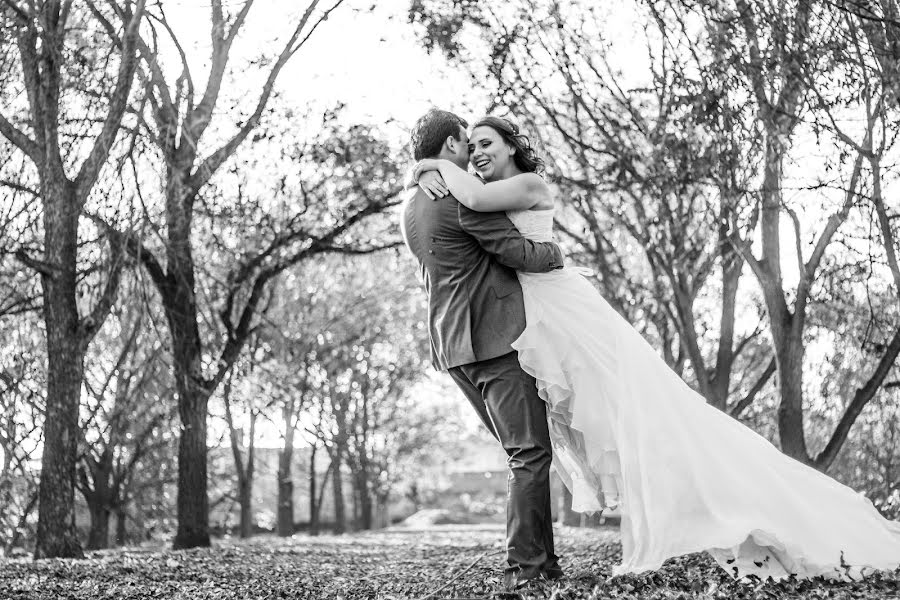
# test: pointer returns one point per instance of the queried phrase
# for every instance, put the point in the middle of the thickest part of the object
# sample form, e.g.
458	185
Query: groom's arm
500	238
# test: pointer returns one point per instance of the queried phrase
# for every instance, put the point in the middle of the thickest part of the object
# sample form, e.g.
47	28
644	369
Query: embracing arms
520	192
500	238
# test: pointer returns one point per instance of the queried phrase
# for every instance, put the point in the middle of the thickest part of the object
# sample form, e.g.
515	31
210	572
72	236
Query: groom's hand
433	185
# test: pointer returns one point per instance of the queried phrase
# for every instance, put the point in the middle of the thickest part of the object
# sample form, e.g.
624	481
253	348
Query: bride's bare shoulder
538	188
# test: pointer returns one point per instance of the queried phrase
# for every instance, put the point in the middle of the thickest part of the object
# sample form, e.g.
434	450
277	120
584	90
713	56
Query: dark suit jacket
468	262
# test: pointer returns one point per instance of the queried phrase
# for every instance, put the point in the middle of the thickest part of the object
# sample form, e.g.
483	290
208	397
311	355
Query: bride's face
489	153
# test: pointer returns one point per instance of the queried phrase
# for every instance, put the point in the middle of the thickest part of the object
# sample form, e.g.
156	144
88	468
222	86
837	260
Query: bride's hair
525	157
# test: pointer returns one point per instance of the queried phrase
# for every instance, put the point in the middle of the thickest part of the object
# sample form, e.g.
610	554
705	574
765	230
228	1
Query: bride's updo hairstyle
525	157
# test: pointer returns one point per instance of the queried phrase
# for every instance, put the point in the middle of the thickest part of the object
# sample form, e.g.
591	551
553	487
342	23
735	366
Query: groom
468	262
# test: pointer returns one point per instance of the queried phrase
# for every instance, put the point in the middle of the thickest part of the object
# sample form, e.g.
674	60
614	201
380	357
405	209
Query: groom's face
462	151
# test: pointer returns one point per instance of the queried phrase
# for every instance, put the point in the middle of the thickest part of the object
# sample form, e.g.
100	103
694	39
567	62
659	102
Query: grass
440	562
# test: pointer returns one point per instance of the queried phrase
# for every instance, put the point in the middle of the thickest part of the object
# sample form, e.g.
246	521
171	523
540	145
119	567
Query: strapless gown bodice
536	225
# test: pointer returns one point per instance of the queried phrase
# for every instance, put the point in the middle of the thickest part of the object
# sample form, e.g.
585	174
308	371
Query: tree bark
789	358
245	498
786	327
313	504
99	497
364	496
121	527
193	499
56	535
247	485
285	512
98	535
337	489
382	516
244	471
732	265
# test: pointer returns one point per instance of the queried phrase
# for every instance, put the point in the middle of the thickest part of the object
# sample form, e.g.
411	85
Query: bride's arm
516	193
431	183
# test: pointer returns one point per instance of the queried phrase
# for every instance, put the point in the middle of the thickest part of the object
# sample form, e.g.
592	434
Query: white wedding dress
627	432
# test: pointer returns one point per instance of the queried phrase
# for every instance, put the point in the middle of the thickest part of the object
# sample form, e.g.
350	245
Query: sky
368	59
367	56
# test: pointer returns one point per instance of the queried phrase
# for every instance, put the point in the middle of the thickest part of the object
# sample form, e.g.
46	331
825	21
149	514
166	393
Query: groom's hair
430	131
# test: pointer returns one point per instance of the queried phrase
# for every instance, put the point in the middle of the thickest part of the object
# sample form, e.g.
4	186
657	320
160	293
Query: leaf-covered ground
440	562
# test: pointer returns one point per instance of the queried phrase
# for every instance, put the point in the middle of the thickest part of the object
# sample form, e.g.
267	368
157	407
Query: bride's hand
433	185
427	164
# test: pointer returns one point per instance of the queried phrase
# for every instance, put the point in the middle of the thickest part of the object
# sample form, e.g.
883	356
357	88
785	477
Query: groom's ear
450	142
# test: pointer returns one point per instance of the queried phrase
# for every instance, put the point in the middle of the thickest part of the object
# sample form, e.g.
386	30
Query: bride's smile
490	155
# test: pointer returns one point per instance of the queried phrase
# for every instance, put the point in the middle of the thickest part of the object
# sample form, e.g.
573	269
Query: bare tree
243	440
123	419
288	368
42	32
781	67
179	120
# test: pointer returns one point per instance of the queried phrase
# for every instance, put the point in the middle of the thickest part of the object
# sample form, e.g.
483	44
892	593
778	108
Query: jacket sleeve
500	238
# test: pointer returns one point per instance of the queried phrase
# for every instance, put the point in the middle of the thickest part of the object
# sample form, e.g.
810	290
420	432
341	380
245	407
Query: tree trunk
179	300
789	358
337	489
285	512
382	516
56	537
99	497
23	520
786	327
98	535
193	499
354	498
365	500
313	504
121	527
244	472
687	332
245	497
247	483
732	265
567	516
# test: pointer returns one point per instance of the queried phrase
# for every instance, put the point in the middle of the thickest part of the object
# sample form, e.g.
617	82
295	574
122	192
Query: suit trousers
506	399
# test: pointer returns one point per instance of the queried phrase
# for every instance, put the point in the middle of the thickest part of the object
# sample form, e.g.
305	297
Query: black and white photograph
449	299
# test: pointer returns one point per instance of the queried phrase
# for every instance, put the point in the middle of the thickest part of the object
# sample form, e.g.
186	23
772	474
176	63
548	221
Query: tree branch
862	397
22	15
208	167
199	118
44	268
835	220
20	140
741	405
136	249
91	324
118	103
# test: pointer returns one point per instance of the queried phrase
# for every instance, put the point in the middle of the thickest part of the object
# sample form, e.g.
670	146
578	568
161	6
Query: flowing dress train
627	432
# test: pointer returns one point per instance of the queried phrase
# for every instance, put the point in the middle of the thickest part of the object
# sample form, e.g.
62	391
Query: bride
627	432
